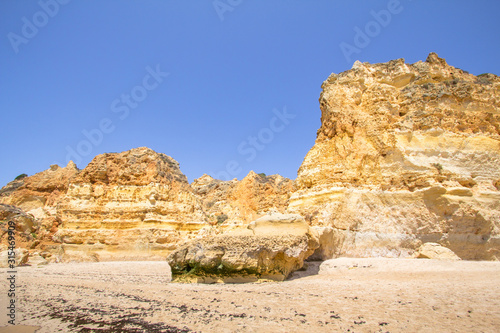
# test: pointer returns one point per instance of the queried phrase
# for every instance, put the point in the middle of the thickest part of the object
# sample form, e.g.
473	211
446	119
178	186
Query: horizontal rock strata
270	249
406	153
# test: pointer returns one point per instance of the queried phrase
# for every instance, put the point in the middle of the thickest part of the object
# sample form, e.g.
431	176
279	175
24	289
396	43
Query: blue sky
223	87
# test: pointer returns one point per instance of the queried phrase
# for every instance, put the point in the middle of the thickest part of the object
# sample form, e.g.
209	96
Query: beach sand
339	295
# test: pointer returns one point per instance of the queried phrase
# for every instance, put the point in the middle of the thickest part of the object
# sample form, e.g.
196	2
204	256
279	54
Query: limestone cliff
135	204
32	203
242	201
131	205
406	153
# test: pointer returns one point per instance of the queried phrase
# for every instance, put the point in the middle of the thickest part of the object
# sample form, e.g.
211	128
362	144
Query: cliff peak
138	166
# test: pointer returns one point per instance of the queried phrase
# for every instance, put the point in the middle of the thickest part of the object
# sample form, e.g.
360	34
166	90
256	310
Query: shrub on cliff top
21	176
221	218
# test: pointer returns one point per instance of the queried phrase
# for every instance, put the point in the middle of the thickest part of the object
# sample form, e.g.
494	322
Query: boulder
268	250
36	259
436	251
21	256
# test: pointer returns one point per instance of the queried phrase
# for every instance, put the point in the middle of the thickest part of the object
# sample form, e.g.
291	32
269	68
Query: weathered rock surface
36	259
133	205
35	199
328	243
276	224
242	201
406	154
436	251
269	249
128	205
40	190
20	257
24	223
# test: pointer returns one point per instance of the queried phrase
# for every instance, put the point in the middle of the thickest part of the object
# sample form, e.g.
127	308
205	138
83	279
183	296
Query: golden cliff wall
134	205
131	205
36	197
406	153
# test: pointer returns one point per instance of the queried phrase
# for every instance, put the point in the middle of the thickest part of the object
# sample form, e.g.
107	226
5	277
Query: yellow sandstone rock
406	153
436	251
135	204
243	201
272	247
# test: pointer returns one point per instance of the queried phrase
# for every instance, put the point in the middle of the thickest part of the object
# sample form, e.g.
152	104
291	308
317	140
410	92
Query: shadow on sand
310	268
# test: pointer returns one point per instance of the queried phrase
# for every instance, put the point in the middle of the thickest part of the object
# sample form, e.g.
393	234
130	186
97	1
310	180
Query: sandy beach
340	295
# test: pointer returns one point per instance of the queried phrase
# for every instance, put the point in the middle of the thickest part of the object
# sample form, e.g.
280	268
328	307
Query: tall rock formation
130	205
406	154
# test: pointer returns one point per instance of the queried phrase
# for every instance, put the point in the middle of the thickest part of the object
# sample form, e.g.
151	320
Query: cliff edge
406	154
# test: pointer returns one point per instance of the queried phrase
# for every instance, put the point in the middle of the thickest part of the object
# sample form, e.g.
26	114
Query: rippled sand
341	295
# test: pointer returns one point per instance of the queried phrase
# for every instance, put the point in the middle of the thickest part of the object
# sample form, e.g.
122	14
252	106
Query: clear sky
224	87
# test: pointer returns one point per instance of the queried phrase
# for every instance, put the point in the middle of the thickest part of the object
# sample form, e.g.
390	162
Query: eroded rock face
135	204
406	153
20	257
31	203
23	223
261	252
36	259
242	201
40	190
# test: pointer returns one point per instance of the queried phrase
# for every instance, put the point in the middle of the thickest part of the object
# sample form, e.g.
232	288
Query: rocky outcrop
35	199
270	248
41	190
24	223
20	257
130	205
240	202
436	251
406	154
35	259
122	206
328	240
